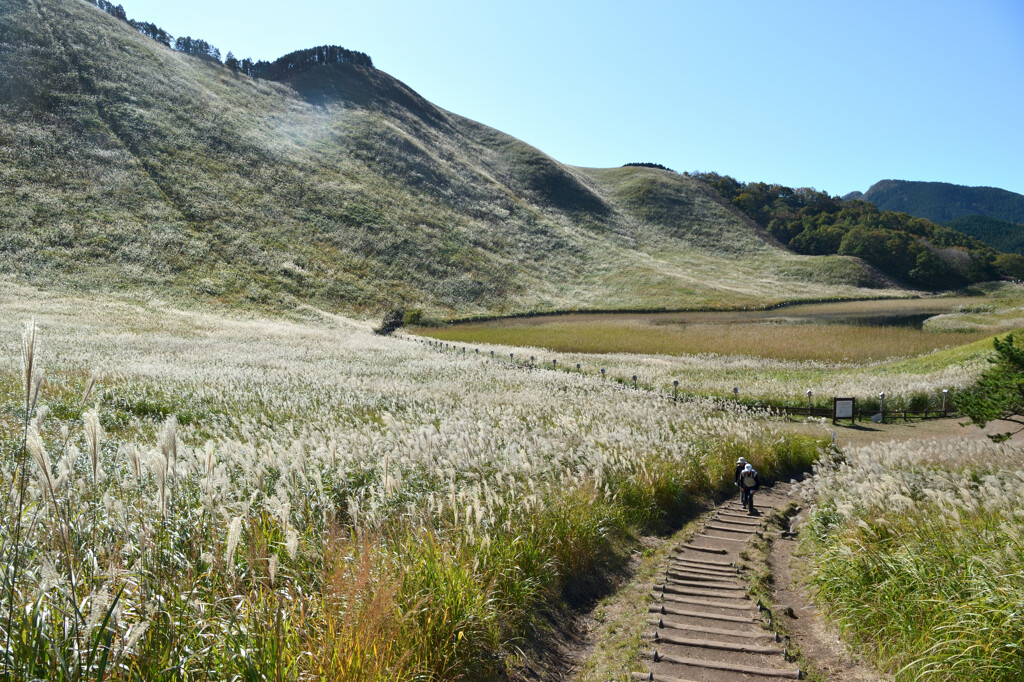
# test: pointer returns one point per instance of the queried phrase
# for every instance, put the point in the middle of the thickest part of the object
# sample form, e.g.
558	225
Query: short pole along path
704	627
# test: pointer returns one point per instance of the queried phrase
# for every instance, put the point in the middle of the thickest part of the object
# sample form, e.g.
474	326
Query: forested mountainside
908	248
942	202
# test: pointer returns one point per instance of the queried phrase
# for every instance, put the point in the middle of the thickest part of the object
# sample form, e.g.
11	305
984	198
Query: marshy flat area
846	331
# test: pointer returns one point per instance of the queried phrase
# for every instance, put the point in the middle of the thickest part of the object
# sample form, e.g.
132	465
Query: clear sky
832	95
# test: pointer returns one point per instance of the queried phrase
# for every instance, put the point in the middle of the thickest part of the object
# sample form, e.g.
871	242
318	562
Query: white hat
741	461
748	468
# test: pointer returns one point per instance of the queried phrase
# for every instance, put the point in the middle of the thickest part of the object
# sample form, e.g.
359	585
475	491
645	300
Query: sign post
844	408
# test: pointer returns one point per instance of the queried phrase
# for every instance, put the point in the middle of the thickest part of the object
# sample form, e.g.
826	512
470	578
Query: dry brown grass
360	636
761	339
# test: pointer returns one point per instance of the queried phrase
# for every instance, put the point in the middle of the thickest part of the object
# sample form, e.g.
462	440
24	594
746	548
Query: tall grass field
917	552
193	496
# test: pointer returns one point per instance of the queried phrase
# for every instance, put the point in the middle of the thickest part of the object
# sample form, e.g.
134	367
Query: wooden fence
676	395
866	415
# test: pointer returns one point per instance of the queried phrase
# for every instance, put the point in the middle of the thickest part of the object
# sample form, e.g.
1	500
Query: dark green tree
1010	265
998	394
930	272
393	319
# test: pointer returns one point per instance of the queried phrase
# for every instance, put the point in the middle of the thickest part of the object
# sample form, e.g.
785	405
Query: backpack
748	479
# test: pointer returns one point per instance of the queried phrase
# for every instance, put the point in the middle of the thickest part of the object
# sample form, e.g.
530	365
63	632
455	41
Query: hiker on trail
749	483
740	463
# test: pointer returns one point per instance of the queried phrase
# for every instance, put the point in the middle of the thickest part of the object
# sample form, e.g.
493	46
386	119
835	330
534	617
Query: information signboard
844	408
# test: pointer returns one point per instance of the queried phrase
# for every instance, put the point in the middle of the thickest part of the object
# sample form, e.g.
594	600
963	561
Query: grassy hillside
126	165
942	202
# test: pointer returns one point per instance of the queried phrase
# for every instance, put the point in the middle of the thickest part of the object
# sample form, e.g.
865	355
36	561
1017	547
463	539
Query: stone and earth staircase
704	627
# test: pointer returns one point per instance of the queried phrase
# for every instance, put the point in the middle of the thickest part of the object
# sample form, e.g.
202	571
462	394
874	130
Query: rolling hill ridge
128	166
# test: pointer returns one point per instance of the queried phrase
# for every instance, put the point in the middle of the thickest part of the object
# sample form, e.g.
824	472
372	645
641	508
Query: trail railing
866	415
531	363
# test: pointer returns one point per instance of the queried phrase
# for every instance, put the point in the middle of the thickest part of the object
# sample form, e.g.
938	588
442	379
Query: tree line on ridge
279	69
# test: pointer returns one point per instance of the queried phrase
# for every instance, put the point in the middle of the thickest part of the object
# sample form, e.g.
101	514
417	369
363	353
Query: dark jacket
739	470
743	484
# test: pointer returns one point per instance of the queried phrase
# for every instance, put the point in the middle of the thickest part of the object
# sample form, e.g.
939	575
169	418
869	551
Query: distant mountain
989	214
942	202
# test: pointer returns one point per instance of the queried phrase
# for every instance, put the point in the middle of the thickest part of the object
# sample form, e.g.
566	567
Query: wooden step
736	521
707	630
706	560
707	550
746	516
699	592
670	610
745	531
718	645
683	574
672	599
705	568
689	573
690	582
790	673
715	537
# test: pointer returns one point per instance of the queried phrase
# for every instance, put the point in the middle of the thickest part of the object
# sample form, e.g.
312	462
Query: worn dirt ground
819	645
866	432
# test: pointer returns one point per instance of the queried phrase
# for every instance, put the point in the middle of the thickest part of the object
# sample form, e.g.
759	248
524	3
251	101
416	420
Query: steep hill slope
942	202
129	166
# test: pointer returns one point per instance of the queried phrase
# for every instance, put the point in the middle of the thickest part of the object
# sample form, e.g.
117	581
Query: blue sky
822	94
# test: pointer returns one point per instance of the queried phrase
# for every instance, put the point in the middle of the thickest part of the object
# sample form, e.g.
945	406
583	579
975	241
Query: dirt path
820	647
694	615
930	429
702	623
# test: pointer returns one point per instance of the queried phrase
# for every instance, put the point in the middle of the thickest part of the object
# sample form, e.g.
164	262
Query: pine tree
998	394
